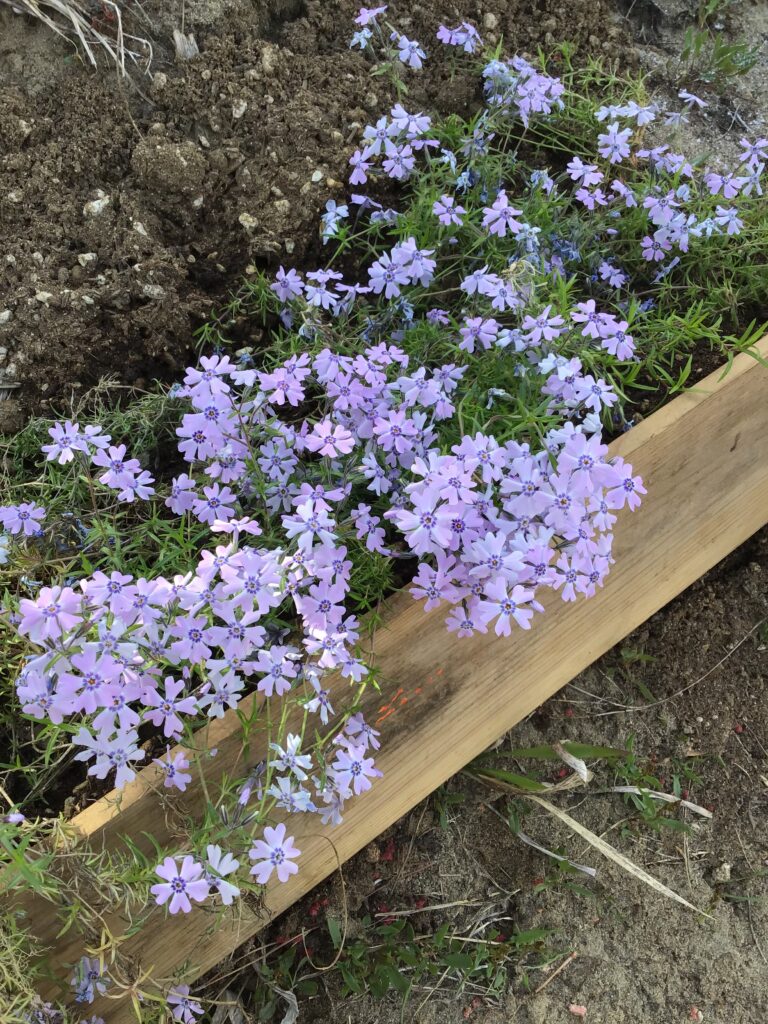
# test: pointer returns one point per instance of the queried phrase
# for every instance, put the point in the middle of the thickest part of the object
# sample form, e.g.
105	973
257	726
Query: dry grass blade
573	762
608	851
667	798
583	868
70	18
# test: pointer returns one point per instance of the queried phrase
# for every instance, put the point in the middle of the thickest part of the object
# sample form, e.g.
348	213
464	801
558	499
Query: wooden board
704	460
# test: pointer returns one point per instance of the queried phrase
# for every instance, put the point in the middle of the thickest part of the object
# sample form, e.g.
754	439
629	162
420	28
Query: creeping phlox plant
443	407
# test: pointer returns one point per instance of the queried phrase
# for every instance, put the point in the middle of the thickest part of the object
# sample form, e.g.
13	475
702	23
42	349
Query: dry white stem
70	20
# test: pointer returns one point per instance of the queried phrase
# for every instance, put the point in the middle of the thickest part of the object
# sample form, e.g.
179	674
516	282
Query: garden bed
706	456
703	455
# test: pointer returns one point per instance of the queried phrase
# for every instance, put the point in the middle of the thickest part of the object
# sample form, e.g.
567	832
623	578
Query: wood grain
704	460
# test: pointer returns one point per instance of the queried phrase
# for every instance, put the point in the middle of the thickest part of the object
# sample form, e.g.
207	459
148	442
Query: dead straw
70	20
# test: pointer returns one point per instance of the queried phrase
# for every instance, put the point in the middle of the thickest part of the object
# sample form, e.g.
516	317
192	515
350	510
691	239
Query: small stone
282	206
372	853
722	873
269	59
238	109
206	74
44	297
139	228
85	259
317	176
159	81
490	21
97	206
290	245
248	221
5	316
14	196
153	291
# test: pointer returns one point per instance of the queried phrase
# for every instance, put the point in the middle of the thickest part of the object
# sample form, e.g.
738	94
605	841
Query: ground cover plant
432	407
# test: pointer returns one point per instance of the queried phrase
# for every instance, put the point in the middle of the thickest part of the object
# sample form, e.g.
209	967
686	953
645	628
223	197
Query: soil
131	208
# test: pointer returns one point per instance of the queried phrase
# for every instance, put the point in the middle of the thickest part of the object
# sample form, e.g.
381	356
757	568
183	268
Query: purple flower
119	470
476	330
593	320
360	166
117	752
55	611
587	174
654	249
387	276
352	771
543	327
618	341
89	980
329	439
366	15
377	137
175	771
290	760
447	211
25	518
180	884
68	439
628	490
500	216
728	218
275	852
661	209
754	153
464	35
595	394
410	52
691	100
399	162
218	865
287	285
183	1006
614	144
462	622
394	431
503	605
168	707
729	184
310	524
278	667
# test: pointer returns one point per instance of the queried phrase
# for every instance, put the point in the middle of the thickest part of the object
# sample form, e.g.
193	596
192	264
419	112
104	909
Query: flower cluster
446	409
